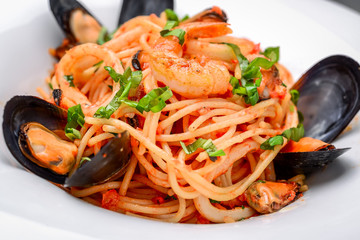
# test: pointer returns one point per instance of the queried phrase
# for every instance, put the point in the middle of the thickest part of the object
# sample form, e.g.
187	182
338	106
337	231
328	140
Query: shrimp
190	77
271	84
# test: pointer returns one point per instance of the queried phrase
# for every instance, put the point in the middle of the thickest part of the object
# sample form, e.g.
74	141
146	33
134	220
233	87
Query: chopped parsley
153	101
213	201
250	72
70	80
75	117
172	22
104	36
168	197
294	134
205	144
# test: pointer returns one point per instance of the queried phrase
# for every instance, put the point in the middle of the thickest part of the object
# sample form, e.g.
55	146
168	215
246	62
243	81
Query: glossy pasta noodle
166	178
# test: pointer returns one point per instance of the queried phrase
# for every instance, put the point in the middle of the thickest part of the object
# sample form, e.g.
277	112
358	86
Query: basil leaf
273	53
234	82
171	15
168	26
300	116
186	17
98	63
69	79
213	201
168	197
251	76
128	76
113	74
108	110
205	144
272	142
72	133
75	117
260	62
252	94
294	134
243	62
104	36
155	100
51	86
179	33
294	96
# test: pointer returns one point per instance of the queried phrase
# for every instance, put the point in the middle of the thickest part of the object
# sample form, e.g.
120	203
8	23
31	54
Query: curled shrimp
194	77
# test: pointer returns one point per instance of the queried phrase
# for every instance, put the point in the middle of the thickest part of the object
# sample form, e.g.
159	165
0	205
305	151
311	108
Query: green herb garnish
250	73
104	36
205	144
168	197
294	134
260	181
179	33
75	117
294	96
171	15
173	21
186	17
213	201
70	80
51	86
155	100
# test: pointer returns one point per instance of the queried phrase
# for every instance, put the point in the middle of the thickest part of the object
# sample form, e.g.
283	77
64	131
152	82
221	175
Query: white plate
307	31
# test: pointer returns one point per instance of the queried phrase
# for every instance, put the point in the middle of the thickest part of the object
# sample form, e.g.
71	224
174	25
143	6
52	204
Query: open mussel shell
109	163
23	109
134	8
62	10
329	96
291	164
329	99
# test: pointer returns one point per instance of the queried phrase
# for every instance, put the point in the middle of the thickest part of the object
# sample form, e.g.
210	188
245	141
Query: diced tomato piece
110	200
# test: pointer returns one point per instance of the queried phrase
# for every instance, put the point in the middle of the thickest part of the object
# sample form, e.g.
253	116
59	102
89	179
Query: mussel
80	26
133	8
77	23
268	197
329	99
214	14
29	121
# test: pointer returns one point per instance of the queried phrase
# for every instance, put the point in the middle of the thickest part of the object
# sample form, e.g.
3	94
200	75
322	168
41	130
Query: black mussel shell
290	164
212	14
209	14
23	109
110	162
102	167
62	10
134	8
329	96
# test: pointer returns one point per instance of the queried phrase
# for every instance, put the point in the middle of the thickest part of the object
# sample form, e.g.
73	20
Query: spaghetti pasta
164	180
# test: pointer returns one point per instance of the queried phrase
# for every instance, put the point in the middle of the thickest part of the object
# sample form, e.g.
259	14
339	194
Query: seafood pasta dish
167	118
